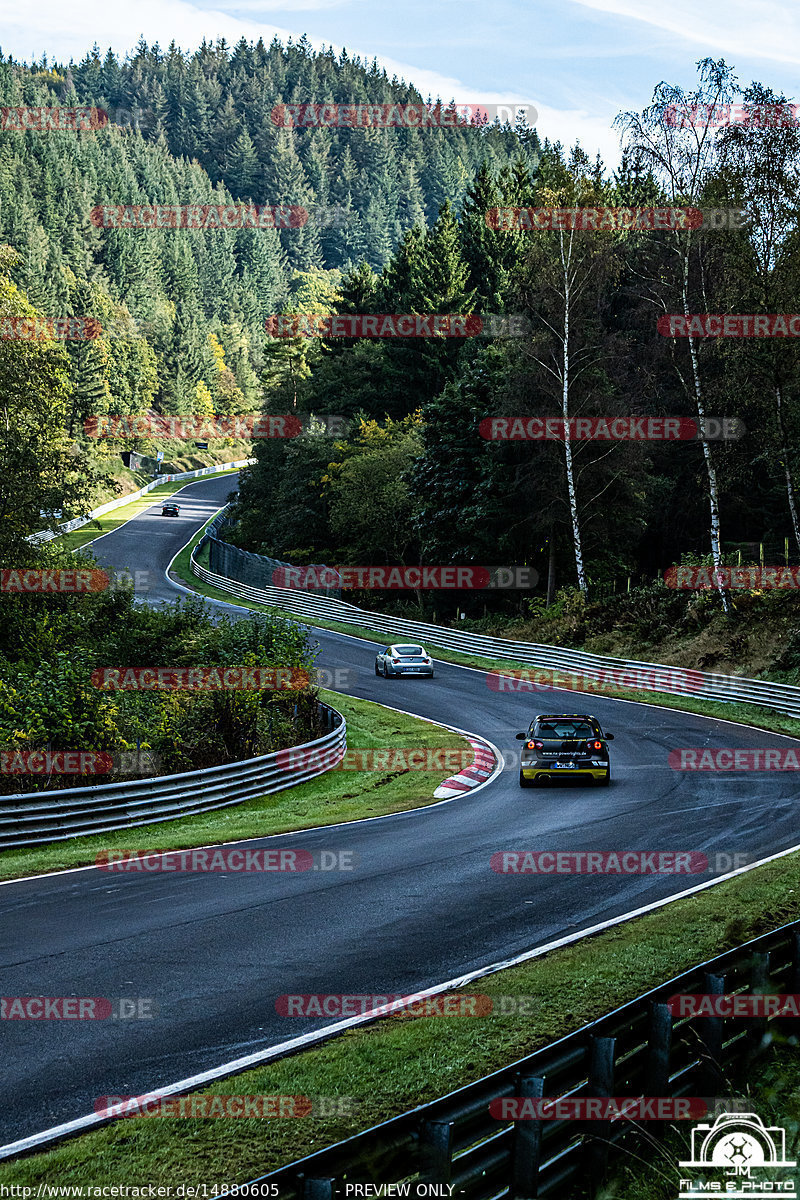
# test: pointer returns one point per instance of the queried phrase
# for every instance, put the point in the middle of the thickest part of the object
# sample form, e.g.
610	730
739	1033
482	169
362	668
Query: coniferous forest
183	313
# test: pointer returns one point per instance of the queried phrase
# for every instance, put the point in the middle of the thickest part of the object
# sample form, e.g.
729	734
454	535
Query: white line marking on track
237	1065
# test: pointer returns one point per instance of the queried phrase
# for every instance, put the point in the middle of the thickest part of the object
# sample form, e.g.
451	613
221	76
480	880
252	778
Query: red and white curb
479	771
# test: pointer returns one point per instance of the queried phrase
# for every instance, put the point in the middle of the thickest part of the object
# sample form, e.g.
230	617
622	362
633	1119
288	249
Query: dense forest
183	314
415	481
184	310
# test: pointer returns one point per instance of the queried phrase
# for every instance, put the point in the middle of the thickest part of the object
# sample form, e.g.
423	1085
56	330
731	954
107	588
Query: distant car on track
170	510
569	746
403	658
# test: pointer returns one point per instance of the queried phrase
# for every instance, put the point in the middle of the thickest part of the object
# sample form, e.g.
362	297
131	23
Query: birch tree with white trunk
675	139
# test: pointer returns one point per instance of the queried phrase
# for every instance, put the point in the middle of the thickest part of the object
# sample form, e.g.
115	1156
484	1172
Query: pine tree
242	174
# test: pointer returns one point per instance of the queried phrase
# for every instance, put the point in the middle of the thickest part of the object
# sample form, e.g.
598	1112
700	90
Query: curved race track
215	950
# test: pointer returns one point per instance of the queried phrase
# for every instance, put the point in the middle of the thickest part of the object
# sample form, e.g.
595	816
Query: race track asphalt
215	951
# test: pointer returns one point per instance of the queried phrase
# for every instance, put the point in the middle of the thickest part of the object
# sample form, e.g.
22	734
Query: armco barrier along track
702	685
640	1049
26	820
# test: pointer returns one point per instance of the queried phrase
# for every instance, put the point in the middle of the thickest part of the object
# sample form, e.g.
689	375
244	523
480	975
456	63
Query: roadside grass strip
326	800
397	1062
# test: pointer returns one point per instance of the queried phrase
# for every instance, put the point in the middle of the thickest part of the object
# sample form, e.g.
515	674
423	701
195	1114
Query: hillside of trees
183	311
415	482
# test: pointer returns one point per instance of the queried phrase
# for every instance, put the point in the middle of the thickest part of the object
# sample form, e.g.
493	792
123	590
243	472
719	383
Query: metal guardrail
258	570
783	698
639	1049
32	818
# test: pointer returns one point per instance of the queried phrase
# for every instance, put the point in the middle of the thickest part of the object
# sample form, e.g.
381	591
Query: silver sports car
403	659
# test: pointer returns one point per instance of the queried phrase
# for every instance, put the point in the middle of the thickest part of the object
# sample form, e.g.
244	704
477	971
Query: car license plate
564	764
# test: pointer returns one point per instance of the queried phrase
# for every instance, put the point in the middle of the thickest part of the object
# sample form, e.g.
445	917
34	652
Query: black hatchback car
569	746
170	510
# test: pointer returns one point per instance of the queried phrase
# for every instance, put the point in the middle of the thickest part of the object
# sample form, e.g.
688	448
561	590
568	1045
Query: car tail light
535	745
595	745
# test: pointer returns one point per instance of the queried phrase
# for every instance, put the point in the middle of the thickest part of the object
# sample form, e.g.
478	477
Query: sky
578	62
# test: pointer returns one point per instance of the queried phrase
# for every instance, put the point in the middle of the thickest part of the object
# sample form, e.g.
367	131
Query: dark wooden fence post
601	1084
710	1032
659	1050
436	1151
318	1189
526	1145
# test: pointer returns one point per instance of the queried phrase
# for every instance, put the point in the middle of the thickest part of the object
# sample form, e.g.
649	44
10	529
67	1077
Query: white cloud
744	28
593	131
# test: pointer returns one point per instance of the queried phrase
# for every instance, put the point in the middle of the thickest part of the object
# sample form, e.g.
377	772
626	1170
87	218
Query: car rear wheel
523	782
385	671
605	781
377	672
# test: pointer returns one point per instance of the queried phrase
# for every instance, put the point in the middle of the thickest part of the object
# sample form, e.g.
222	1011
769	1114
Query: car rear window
409	651
564	729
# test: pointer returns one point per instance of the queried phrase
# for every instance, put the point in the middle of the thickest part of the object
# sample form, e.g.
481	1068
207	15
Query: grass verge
330	798
748	714
399	1062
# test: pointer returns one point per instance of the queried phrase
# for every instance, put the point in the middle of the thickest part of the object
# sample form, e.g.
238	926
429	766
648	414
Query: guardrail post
759	983
794	978
526	1145
318	1189
601	1084
436	1151
659	1049
710	1032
